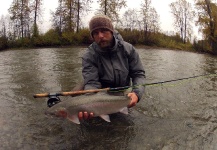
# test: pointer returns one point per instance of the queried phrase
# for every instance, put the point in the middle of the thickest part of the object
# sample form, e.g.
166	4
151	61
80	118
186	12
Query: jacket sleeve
90	72
137	73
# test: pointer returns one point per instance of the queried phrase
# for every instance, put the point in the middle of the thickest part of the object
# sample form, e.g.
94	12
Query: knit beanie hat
100	21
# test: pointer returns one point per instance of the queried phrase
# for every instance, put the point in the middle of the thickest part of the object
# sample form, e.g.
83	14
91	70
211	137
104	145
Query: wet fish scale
101	104
99	108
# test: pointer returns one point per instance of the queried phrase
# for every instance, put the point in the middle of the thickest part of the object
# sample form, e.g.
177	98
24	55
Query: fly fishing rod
72	93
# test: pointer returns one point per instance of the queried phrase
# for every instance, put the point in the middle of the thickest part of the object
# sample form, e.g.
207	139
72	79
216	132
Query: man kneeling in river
111	62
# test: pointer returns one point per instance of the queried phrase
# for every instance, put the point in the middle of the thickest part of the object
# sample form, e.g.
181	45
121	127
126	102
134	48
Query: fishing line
161	83
118	89
54	99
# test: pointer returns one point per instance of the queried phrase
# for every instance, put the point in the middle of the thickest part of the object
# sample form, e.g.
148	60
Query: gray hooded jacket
115	67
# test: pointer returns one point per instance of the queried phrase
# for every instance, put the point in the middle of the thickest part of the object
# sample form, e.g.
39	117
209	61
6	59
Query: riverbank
137	46
173	49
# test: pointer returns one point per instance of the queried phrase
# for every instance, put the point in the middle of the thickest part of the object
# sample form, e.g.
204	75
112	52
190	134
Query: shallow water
179	115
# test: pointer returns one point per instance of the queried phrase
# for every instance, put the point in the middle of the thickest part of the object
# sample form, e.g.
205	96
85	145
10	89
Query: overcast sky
161	6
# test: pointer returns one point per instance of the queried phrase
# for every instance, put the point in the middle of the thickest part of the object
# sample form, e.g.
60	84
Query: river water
173	116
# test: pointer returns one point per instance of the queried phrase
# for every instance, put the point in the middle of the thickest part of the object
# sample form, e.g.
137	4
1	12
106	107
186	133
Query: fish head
58	112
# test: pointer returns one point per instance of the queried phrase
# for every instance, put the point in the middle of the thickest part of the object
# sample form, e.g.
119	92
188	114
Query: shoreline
136	46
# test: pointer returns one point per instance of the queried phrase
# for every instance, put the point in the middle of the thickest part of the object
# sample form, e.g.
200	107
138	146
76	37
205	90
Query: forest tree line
20	28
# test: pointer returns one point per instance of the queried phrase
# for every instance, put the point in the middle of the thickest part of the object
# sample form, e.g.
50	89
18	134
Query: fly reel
53	100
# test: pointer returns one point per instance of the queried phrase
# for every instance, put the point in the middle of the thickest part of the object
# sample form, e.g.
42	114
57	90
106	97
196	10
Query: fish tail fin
74	118
124	110
105	117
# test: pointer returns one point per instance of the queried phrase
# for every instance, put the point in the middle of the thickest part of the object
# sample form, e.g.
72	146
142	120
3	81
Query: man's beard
105	44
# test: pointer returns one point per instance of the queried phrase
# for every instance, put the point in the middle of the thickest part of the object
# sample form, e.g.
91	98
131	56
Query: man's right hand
84	115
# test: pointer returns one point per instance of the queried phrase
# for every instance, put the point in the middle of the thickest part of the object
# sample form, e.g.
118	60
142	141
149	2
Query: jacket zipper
113	69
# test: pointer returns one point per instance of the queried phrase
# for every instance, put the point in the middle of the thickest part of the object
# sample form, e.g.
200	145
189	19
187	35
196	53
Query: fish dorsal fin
124	110
105	117
74	118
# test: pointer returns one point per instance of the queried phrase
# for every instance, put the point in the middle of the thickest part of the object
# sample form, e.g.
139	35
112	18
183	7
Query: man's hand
134	99
84	115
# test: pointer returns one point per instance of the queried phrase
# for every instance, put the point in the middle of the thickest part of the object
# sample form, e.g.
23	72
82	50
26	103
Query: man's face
103	37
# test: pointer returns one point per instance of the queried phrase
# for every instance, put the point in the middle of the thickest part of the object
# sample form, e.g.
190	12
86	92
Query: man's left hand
134	99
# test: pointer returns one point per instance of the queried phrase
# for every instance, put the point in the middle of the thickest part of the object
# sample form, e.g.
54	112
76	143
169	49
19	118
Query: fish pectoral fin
74	118
105	117
124	110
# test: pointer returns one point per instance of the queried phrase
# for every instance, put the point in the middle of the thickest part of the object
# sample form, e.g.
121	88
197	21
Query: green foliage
68	38
20	43
202	46
137	29
80	38
24	42
136	37
173	42
207	21
83	37
50	38
35	30
3	43
38	41
133	37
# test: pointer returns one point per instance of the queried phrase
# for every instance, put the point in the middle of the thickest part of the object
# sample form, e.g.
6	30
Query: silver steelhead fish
101	104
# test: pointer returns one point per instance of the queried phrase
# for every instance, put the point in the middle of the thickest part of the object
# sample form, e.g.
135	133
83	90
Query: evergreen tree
20	15
36	10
